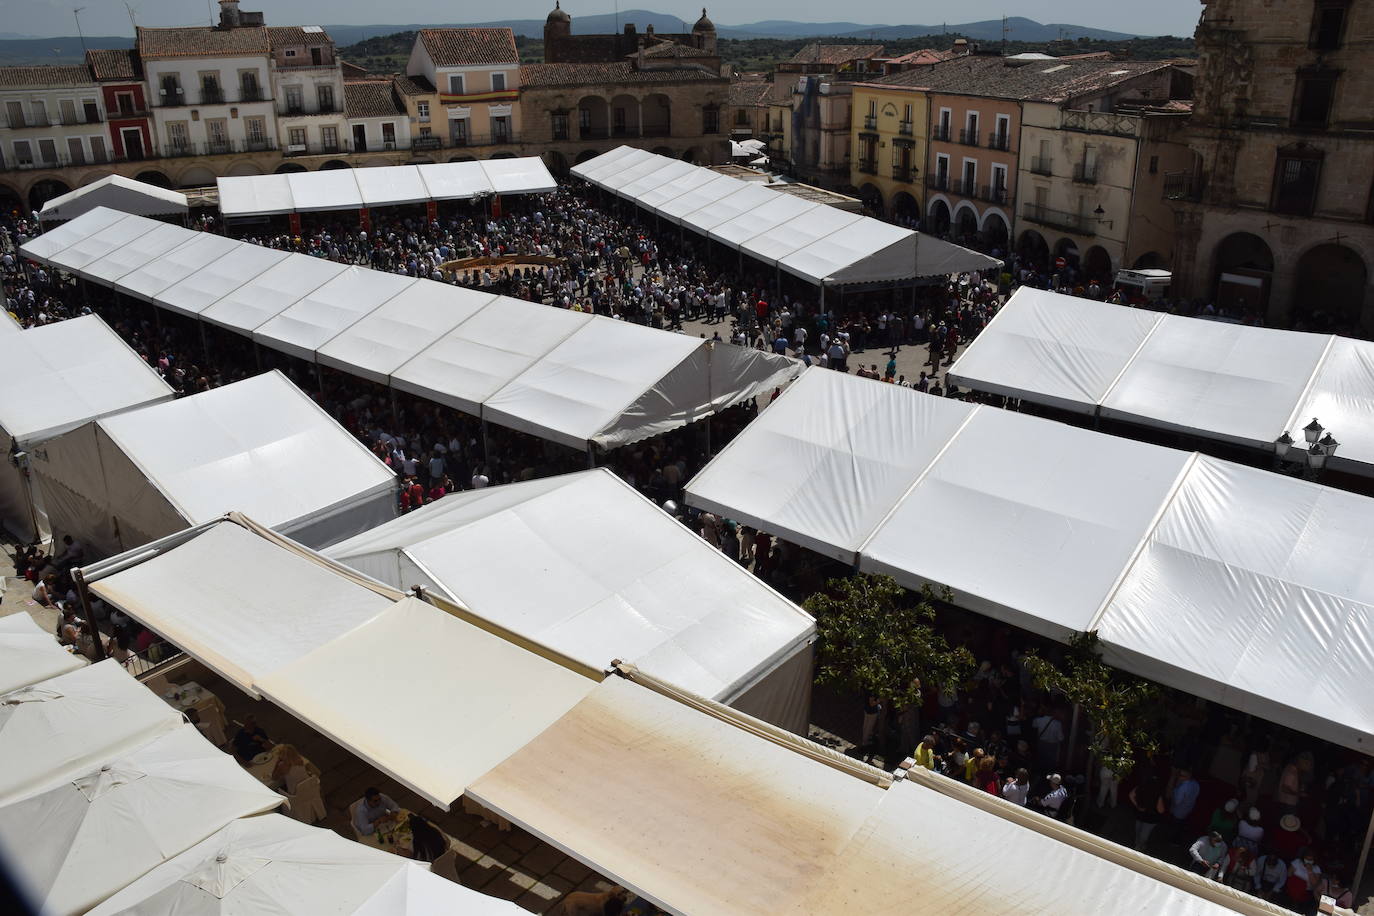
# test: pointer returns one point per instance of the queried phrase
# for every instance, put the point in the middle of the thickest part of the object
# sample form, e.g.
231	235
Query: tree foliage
1117	706
873	636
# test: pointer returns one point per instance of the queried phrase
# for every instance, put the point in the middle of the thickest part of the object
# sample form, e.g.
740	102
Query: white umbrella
754	145
60	728
271	865
75	845
739	149
420	891
29	655
762	160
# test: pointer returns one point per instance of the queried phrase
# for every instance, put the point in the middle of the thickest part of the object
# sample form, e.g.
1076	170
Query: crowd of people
998	733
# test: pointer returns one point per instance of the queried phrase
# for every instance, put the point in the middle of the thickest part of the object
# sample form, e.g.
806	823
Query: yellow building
889	142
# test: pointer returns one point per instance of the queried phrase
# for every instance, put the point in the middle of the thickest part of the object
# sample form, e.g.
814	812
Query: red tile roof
548	75
293	36
202	41
113	64
817	53
41	77
370	99
462	47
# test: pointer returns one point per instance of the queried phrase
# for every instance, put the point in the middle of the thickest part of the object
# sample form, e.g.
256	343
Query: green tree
873	636
1117	706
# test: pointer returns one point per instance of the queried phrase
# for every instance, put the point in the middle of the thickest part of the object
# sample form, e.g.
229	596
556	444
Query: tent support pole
1073	735
486	454
591	455
708	435
79	581
1364	857
395	422
204	343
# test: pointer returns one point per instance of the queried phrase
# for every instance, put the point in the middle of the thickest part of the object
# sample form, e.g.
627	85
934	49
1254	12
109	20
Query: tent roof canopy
1059	530
812	241
350	189
357	660
561	375
781	831
531	558
29	654
56	377
117	193
1228	382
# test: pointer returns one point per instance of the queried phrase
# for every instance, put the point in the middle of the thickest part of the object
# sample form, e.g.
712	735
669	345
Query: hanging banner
294	221
431	210
496	207
365	219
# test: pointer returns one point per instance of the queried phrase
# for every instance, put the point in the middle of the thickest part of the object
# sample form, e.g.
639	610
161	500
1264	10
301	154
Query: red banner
431	210
294	221
365	219
496	206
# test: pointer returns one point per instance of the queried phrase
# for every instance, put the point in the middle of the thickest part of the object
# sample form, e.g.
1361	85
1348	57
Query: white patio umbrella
753	144
57	729
270	865
75	845
419	891
29	655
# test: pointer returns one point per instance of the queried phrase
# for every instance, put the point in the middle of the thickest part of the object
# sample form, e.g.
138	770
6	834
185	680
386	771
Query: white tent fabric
258	446
778	831
28	654
202	287
531	558
117	193
55	730
59	376
139	252
272	865
76	844
1233	383
382	690
390	336
255	195
54	240
1058	529
351	189
812	241
321	315
517	363
239	603
1255	591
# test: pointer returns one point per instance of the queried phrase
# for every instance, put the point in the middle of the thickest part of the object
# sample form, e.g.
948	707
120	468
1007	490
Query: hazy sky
109	17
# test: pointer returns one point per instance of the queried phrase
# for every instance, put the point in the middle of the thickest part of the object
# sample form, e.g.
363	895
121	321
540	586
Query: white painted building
52	116
308	86
377	120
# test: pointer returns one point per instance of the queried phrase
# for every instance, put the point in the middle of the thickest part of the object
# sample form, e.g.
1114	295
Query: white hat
1056	779
1232	805
1254	815
1290	823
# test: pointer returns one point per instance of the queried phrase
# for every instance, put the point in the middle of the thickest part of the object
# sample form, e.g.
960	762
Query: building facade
817	143
54	117
474	75
890	139
124	93
1274	216
308	88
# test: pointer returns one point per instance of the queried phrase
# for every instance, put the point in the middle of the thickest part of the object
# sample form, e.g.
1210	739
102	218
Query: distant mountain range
66	50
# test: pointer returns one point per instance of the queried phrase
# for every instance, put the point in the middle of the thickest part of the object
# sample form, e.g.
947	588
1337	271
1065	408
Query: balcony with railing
968	137
1182	186
211	95
588	132
76	120
904	128
992	193
1085	172
1060	219
901	172
937	182
1042	165
999	139
300	111
940	132
868	166
250	94
870	122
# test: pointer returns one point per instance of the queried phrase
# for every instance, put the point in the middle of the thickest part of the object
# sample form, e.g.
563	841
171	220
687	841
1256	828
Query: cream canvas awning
29	654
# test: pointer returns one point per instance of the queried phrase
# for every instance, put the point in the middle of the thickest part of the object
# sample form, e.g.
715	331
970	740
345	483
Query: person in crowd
1017	788
1182	799
1207	854
250	740
1249	832
1224	819
926	755
1304	876
1053	801
370	808
1147	798
1270	876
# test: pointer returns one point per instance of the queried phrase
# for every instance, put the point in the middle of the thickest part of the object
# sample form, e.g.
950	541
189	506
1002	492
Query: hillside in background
25	52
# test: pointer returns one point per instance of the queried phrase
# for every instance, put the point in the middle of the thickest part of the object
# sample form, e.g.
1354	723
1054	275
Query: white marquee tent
54	731
271	865
358	661
1232	383
77	843
572	378
351	189
532	559
784	826
807	239
29	654
259	446
53	379
117	193
1243	586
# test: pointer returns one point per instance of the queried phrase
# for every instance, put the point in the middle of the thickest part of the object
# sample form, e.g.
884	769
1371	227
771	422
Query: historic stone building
595	92
1275	215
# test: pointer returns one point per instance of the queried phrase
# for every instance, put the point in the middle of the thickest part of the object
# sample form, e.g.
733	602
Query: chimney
229	16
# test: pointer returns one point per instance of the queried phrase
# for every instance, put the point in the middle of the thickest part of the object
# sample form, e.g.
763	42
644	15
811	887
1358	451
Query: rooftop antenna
210	11
133	22
76	14
1005	30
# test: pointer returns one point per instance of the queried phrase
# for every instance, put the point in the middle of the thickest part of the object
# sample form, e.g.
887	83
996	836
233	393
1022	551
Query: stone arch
624	116
421	161
287	168
1097	264
1243	265
333	164
663	151
44	190
462	158
93	176
503	155
1329	287
656	114
196	176
940	218
996	230
1033	249
153	176
965	218
243	167
692	154
1067	249
593	118
872	198
11	201
556	162
906	208
585	155
1148	260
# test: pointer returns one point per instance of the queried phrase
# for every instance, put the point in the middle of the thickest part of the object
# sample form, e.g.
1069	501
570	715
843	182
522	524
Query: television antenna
76	14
